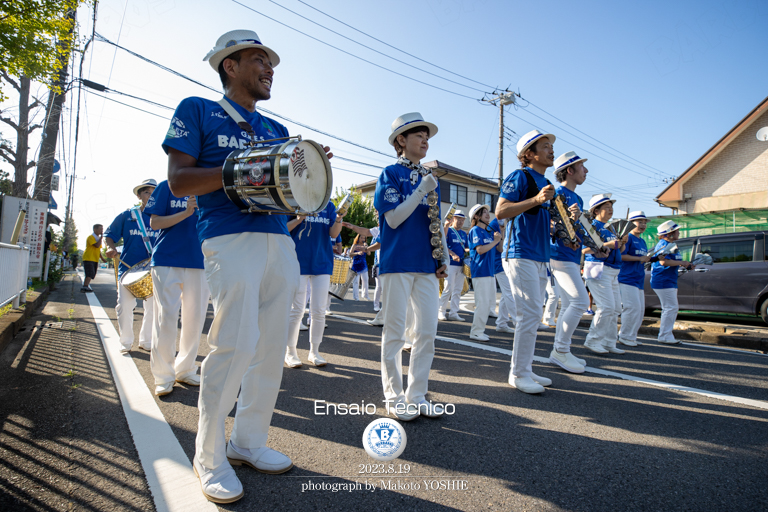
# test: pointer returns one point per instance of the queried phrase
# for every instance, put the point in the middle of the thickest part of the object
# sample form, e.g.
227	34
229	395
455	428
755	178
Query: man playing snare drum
125	226
250	264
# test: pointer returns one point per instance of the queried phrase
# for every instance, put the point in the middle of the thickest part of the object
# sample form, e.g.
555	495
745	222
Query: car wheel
764	310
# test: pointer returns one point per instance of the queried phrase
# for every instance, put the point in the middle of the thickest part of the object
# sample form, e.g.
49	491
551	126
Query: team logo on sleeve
151	202
176	130
475	238
508	187
391	195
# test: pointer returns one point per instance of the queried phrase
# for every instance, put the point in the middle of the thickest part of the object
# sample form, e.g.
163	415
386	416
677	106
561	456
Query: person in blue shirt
250	264
359	254
458	244
602	272
126	227
179	285
482	246
310	234
524	197
408	270
632	281
507	309
373	232
565	262
664	280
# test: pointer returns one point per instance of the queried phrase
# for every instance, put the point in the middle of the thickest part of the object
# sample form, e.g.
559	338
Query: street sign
56	167
55	183
51	203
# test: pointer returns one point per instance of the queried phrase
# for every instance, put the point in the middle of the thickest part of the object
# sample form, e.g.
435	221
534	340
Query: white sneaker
375	324
303	326
264	460
479	337
544	327
594	347
493	314
566	361
504	328
292	358
125	350
219	485
441	316
428	409
638	342
525	384
455	317
193	379
541	380
582	362
406	412
628	343
613	350
316	359
145	348
163	389
673	341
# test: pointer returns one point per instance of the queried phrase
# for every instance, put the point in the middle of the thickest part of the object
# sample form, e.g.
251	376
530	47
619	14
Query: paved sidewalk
64	443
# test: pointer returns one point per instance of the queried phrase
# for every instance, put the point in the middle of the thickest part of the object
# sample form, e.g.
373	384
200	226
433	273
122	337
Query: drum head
132	277
310	176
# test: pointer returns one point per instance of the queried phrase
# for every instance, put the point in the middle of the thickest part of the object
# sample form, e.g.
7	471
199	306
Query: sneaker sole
294	365
241	462
596	350
561	365
164	393
213	498
188	383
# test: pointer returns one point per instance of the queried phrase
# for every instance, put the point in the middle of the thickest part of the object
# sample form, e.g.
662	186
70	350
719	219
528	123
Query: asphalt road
591	442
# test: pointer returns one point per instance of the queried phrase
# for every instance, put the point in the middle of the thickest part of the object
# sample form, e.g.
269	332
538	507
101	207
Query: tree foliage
29	33
361	213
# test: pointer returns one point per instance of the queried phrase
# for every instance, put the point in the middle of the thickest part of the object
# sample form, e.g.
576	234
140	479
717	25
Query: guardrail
14	264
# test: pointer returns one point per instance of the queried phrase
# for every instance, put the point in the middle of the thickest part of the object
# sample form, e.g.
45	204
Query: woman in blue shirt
602	271
482	242
664	280
359	252
632	281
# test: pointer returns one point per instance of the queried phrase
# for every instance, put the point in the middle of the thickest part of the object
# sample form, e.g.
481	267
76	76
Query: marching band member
359	252
664	280
251	305
135	249
602	271
374	233
482	245
408	270
632	281
458	244
316	266
524	197
507	309
179	283
565	263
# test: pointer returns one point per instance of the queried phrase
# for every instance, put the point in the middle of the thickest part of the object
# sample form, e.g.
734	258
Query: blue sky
659	82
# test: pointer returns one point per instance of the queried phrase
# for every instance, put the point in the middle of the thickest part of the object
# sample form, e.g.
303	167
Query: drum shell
142	289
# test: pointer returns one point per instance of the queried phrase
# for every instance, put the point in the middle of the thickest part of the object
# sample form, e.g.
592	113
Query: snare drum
342	276
293	177
138	280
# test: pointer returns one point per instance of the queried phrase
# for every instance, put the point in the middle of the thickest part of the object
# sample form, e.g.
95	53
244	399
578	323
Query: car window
729	252
685	249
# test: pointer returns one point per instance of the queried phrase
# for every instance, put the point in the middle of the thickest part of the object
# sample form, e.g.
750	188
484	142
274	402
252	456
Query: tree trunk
51	134
22	140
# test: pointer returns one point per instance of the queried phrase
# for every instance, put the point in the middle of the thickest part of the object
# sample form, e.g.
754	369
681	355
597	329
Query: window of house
487	199
729	252
459	195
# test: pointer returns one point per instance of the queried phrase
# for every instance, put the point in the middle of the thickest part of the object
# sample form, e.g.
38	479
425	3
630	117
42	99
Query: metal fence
14	265
712	223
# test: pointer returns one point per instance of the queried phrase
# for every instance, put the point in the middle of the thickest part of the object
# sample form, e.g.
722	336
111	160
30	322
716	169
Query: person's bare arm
186	179
295	222
167	221
357	229
482	249
335	229
507	209
111	251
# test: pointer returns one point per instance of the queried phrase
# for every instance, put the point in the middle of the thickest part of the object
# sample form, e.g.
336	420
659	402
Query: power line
352	54
127	105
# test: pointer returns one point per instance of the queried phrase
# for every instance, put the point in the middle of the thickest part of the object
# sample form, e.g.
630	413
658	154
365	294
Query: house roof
438	165
674	192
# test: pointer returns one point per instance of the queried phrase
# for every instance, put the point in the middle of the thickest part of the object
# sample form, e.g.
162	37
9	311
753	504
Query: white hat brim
410	126
602	202
476	209
550	136
215	58
570	164
139	187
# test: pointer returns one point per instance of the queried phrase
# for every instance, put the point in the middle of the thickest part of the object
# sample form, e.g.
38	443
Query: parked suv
735	282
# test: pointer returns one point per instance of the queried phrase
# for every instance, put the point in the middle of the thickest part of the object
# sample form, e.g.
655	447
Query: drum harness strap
136	214
236	117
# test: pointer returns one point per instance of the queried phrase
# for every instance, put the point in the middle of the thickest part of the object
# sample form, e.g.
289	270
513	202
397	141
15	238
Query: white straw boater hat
638	215
408	121
460	214
476	209
599	199
529	138
236	40
146	183
666	228
567	159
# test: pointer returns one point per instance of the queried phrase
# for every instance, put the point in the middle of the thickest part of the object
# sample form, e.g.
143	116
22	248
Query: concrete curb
11	322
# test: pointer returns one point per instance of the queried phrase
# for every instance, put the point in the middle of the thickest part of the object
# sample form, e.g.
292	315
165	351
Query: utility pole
502	99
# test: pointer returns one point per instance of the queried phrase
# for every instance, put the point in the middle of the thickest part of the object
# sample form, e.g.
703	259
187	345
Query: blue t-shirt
633	272
406	248
457	241
178	245
481	265
134	249
614	255
661	276
558	250
528	235
497	266
201	129
315	257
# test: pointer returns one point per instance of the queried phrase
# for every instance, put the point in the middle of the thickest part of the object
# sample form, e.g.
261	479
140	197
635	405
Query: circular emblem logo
384	439
508	187
391	195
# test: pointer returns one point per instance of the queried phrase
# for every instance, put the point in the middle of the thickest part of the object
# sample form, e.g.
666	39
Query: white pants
528	280
605	292
633	309
377	293
485	295
669	309
550	307
360	276
574	301
421	290
126	302
177	289
251	305
507	310
317	306
452	291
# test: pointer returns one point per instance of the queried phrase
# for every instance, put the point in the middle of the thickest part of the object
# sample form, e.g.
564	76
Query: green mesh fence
700	224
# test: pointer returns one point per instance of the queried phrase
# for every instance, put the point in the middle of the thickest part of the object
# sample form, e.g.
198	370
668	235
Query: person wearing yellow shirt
91	256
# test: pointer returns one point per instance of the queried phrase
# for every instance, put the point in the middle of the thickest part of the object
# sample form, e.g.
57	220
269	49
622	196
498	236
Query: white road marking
711	394
172	482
